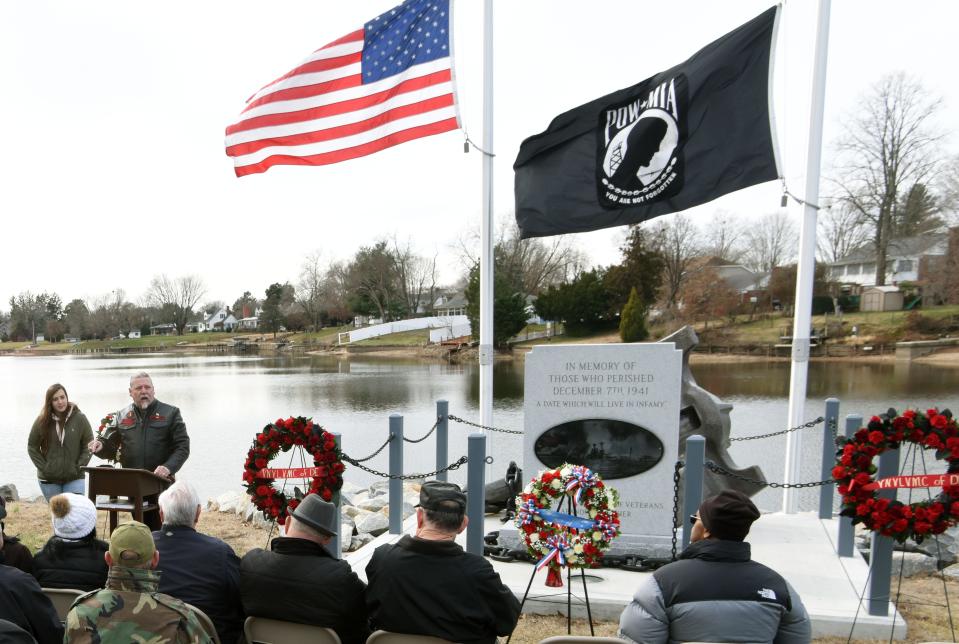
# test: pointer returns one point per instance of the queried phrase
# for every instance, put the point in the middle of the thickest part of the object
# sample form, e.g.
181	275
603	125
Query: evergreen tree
632	322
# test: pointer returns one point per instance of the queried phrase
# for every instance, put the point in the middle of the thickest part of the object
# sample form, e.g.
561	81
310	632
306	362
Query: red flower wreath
280	436
854	471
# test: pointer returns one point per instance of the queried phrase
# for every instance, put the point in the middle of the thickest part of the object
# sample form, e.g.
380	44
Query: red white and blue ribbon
526	512
607	528
582	478
557	544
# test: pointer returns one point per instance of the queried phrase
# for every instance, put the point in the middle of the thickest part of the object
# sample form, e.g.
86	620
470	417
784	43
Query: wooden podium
139	487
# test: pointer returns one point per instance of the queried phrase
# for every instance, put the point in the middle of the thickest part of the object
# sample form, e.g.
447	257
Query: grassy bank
922	600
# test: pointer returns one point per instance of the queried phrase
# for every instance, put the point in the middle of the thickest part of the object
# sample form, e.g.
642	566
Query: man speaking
148	434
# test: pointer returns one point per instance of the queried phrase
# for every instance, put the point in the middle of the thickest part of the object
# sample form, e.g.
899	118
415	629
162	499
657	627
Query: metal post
335	545
806	264
693	475
442	437
846	542
396	469
828	456
880	553
475	481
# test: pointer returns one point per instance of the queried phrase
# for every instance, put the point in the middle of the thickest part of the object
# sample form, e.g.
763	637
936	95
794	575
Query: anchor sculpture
703	413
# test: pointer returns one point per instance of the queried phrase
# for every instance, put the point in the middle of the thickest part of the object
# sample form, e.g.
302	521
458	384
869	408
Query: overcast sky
112	118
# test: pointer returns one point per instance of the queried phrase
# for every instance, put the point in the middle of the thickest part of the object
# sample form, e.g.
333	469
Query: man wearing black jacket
298	580
715	592
427	584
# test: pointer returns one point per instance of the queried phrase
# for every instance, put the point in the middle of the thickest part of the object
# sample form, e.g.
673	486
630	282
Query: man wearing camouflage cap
130	608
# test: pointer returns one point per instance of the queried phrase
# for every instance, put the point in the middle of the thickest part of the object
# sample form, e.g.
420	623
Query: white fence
452	326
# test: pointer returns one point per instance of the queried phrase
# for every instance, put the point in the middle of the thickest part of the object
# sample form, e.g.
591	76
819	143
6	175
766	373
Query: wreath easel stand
569	587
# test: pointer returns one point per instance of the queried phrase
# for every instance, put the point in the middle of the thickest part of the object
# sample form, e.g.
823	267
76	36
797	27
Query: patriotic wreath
558	540
326	475
855	474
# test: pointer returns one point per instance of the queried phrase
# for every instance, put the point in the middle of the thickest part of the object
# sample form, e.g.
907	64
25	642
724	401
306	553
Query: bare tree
310	288
770	241
532	264
949	192
417	277
889	147
677	240
722	237
841	230
176	297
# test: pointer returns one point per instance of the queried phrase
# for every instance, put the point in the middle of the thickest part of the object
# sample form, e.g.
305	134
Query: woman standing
58	444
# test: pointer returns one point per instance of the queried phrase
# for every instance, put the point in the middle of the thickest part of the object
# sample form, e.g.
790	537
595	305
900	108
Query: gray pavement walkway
801	547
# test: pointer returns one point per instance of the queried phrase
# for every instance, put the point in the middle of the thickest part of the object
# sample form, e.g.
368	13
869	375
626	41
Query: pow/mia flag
679	139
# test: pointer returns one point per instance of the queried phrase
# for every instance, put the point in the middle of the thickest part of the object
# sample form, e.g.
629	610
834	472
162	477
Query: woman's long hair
46	419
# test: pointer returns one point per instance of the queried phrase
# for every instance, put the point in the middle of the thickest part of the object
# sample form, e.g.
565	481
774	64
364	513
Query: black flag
677	140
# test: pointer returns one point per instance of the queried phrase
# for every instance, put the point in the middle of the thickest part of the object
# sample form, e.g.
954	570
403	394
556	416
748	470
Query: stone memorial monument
614	408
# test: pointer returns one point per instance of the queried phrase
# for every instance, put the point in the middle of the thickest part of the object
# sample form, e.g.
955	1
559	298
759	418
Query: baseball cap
442	496
131	544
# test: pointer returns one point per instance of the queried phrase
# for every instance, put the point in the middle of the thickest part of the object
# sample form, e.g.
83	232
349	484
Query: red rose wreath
855	474
280	436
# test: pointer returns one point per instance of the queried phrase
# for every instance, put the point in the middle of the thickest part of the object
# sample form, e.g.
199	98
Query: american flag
377	87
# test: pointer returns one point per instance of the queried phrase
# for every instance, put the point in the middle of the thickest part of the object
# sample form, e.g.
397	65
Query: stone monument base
646	546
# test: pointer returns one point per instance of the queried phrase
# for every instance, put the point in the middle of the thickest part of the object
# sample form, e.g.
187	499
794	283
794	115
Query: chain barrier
811	423
676	469
722	471
489	429
455	465
357	461
425	436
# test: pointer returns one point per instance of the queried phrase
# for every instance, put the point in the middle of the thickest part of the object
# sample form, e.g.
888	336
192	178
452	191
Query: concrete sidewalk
801	547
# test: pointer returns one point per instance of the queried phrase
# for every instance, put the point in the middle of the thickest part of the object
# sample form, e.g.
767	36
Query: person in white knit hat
73	557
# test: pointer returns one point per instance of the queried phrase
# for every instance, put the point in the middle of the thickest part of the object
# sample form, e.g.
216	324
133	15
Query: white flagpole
486	235
807	262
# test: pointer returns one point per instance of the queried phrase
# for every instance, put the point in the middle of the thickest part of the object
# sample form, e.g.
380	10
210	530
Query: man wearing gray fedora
299	580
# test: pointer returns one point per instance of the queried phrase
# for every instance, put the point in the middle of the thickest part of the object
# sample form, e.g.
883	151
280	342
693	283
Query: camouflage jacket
130	609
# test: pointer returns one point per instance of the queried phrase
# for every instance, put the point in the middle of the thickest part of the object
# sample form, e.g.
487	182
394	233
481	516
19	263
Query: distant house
449	305
903	259
69	339
167	328
221	320
134	334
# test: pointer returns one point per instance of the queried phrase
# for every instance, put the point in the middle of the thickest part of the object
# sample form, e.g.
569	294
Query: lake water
226	399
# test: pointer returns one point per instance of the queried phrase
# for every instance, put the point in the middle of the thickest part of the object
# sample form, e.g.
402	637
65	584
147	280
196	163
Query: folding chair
386	637
262	630
62	599
580	639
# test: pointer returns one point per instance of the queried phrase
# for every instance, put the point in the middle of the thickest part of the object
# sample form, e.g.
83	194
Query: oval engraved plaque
614	449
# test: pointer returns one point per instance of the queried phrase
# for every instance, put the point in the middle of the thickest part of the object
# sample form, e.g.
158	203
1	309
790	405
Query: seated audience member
299	580
427	585
73	556
198	569
23	603
14	553
715	593
10	633
129	608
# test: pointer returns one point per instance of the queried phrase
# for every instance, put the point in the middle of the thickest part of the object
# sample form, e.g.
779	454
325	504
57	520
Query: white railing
439	323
